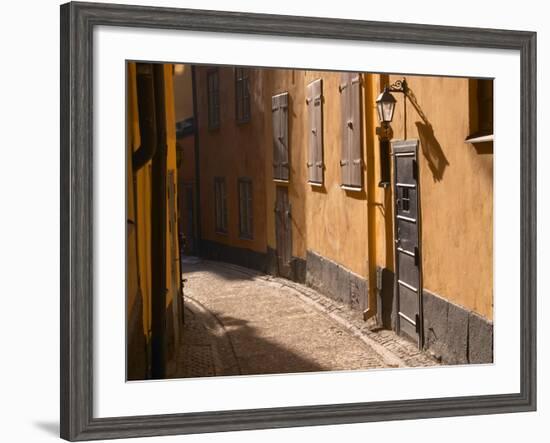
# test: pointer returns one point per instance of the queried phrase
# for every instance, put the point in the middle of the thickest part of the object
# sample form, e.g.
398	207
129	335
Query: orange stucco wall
456	181
139	230
232	151
355	228
326	219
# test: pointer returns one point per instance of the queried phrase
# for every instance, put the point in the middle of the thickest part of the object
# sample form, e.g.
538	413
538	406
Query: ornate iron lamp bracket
399	86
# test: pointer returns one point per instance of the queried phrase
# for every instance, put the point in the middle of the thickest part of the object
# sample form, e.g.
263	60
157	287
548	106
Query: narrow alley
240	322
315	220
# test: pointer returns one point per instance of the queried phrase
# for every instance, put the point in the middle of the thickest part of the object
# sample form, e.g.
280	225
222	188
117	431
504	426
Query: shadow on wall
483	147
137	351
432	151
431	148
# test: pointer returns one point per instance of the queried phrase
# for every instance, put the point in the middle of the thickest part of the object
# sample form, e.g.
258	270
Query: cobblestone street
237	321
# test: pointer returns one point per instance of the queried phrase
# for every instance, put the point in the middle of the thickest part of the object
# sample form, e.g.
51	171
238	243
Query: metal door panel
406	232
408	270
407	267
408	300
406	171
407	328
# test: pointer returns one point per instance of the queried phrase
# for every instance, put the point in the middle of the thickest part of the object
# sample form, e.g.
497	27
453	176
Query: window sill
316	184
352	188
279	180
479	138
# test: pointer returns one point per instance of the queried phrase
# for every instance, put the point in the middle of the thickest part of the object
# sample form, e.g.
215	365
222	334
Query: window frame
478	98
220	206
213	99
248	204
242	95
315	153
280	125
351	115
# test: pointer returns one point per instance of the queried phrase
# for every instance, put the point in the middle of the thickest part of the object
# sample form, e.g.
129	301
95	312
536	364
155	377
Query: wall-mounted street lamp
385	104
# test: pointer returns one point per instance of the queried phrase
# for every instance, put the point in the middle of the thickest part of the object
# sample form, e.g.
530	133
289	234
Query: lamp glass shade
385	103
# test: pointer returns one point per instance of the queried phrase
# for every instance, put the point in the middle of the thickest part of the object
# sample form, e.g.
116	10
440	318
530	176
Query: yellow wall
170	166
291	81
326	219
337	218
139	211
232	151
355	229
456	187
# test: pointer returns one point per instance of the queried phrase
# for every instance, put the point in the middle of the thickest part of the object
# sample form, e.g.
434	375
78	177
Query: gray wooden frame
77	23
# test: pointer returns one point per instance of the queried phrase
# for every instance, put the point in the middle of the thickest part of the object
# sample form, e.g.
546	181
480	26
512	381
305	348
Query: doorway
408	262
283	232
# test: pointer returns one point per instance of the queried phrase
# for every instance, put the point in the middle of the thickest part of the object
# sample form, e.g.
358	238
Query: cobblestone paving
238	321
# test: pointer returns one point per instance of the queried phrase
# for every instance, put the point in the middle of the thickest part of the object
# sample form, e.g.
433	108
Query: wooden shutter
217	204
245	208
279	109
314	101
351	160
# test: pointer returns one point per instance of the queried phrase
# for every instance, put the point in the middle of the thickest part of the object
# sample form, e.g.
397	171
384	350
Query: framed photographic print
273	221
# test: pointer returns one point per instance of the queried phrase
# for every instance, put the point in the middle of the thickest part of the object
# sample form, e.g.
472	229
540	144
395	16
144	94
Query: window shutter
356	161
276	132
314	102
344	89
224	204
351	161
279	108
245	208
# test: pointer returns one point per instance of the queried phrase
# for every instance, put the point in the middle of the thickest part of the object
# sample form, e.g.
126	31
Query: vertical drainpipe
158	230
197	202
369	125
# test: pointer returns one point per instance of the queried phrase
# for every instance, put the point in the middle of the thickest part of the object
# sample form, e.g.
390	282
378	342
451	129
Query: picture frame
77	219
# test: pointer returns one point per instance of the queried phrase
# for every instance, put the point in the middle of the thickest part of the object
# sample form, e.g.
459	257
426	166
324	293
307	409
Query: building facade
295	180
153	288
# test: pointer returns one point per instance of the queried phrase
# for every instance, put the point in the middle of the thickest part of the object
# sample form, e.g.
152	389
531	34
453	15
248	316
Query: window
220	199
279	115
242	95
485	106
405	200
481	110
245	208
314	102
213	90
351	159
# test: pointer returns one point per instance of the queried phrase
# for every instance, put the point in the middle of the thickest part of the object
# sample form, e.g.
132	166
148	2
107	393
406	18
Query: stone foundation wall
451	332
336	281
232	254
455	334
